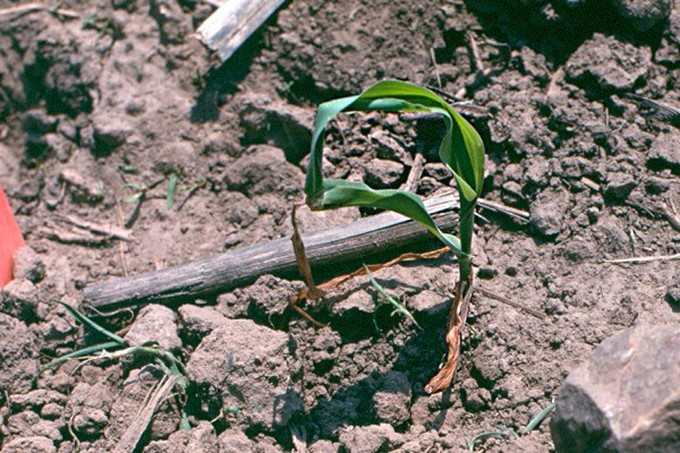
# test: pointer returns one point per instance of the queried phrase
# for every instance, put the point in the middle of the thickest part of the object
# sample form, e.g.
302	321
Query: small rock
673	293
244	366
234	441
88	407
668	52
475	398
36	399
267	298
393	399
546	217
578	250
388	148
643	14
370	439
619	185
198	322
438	171
665	152
155	323
323	446
27	264
275	123
201	439
28	423
383	174
83	186
109	133
264	169
429	303
18	362
625	397
33	444
19	298
609	63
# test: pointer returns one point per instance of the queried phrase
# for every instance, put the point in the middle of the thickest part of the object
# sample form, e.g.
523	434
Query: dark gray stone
626	397
673	293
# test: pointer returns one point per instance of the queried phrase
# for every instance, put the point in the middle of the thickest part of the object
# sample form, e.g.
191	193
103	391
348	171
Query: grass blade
80	353
91	324
398	307
534	422
170	198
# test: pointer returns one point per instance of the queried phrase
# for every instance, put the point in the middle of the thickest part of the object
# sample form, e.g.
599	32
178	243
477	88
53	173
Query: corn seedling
117	347
461	150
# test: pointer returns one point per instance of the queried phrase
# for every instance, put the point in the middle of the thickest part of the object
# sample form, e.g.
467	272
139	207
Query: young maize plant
461	150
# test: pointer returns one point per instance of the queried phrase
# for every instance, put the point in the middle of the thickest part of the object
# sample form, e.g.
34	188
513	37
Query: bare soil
102	105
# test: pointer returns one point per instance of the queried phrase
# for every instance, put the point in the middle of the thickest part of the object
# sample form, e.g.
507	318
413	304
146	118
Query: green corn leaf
461	149
338	193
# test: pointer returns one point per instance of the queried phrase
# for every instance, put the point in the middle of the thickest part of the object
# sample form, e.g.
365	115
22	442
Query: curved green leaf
461	150
338	193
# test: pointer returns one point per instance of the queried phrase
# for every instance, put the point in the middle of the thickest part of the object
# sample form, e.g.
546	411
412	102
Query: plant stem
467	223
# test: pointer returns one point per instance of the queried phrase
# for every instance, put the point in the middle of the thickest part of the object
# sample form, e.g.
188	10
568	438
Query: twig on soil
671	214
16	12
66	237
480	72
512	303
411	183
503	209
643	259
109	231
661	111
141	421
436	68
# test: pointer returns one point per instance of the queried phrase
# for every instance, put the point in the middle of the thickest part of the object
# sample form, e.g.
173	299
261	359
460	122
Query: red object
10	239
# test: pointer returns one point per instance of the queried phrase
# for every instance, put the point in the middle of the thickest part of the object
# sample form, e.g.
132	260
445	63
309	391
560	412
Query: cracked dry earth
104	103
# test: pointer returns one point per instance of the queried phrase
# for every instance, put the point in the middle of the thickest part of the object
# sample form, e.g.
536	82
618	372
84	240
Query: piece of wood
233	22
355	243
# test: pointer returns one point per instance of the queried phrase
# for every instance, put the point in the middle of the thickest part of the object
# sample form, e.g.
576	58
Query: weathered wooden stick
358	241
233	22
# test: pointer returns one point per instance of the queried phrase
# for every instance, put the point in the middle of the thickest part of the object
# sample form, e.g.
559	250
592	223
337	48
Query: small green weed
117	347
385	297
